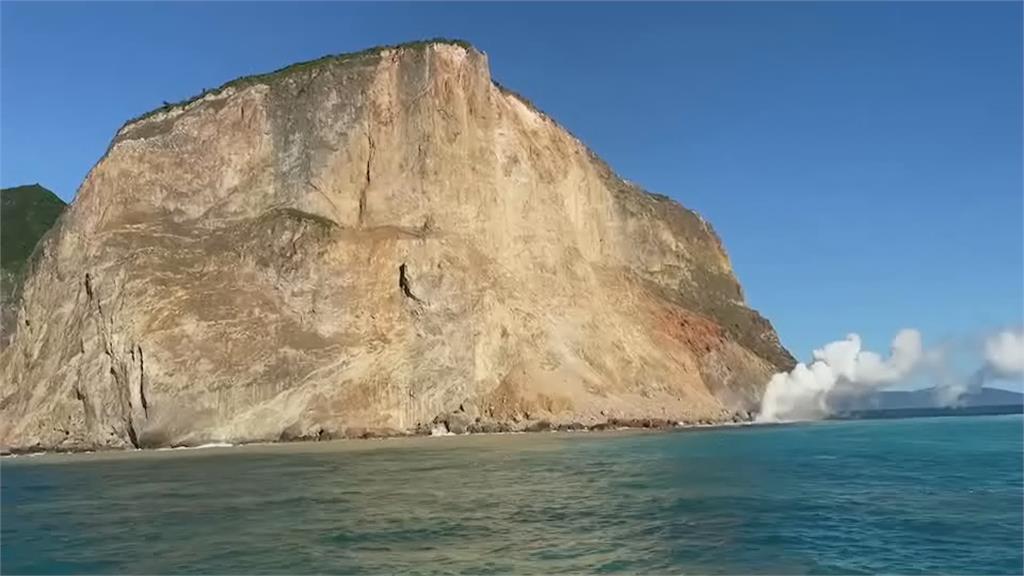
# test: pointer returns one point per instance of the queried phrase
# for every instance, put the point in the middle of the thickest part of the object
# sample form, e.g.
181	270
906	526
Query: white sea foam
440	430
199	447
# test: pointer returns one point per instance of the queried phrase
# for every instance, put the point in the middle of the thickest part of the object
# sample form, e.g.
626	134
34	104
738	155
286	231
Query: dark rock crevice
403	283
142	383
133	437
366	183
91	293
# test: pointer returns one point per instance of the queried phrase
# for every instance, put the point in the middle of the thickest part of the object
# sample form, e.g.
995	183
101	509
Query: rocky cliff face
369	244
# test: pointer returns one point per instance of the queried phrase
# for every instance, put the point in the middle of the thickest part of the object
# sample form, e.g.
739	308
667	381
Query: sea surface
915	496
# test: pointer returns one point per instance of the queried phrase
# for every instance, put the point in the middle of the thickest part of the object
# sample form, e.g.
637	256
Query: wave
199	447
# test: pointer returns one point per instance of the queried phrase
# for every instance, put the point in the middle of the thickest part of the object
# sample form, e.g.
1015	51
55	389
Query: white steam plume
842	370
1004	354
1004	358
802	394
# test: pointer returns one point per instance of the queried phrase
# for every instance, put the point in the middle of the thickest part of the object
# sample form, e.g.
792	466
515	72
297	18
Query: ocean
915	496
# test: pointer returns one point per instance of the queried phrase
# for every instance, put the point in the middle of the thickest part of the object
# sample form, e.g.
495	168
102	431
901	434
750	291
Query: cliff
369	244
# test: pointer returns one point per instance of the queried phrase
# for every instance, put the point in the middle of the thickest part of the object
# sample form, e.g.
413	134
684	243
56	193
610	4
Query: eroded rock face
368	245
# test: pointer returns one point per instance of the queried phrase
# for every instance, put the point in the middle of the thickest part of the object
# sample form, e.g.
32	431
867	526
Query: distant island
925	402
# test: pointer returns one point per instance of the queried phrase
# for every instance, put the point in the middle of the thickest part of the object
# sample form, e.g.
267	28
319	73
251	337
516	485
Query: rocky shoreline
446	427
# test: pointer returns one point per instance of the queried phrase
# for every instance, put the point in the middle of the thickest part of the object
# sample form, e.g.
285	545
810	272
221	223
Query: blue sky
862	161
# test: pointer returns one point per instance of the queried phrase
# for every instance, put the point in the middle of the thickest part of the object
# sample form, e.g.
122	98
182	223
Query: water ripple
912	497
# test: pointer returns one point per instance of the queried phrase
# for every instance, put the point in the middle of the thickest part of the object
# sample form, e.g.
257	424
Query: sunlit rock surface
369	244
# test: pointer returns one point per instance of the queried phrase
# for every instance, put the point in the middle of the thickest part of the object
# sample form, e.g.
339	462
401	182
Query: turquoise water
907	496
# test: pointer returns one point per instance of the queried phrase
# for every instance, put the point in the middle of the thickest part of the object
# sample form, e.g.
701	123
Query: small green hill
26	213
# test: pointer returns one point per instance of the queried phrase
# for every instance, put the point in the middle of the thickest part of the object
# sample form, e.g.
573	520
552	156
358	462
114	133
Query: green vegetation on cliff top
26	213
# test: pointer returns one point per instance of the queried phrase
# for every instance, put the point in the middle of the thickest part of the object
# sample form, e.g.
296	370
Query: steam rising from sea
844	369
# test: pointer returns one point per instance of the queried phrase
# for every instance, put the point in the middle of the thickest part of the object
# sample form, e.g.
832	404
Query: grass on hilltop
26	213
